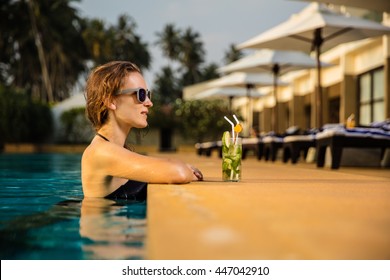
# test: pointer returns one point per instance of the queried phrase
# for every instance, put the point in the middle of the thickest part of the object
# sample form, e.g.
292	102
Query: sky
219	23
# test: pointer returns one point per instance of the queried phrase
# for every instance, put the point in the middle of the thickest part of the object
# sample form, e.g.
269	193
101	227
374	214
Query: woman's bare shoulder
117	161
101	152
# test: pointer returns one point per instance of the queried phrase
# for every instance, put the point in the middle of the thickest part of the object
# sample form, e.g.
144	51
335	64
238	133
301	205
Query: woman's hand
197	173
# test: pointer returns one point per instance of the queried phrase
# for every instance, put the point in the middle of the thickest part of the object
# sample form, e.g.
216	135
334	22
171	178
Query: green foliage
186	48
115	42
75	126
70	45
210	72
23	120
373	16
64	50
166	87
232	54
162	116
201	120
166	90
198	120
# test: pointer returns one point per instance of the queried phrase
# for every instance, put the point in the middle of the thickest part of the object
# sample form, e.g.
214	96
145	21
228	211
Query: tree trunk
166	140
41	53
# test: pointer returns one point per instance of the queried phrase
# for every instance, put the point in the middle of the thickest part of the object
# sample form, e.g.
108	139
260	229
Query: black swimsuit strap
105	138
98	134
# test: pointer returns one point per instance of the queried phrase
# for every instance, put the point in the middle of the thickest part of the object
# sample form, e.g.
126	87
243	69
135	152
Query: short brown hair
103	82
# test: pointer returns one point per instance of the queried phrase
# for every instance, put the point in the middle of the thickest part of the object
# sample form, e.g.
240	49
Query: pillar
348	97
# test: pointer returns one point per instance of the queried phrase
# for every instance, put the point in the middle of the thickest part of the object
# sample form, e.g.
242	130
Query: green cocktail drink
231	158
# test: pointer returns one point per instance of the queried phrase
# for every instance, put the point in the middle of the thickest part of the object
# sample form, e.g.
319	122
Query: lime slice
238	128
226	139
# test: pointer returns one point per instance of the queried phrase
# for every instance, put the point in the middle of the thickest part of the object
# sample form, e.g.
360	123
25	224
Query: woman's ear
112	106
110	103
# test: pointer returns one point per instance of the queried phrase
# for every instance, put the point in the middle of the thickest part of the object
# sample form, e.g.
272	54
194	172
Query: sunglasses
141	93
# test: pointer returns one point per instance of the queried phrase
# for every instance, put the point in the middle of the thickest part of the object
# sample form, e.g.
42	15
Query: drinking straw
232	124
237	121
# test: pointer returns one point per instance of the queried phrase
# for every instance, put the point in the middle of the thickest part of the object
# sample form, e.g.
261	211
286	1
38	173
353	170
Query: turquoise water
43	214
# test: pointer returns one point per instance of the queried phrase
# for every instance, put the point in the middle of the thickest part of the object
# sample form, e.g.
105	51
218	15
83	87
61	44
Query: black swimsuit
131	190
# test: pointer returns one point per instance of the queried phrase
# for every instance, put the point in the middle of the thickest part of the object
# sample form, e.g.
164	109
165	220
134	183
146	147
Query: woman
117	101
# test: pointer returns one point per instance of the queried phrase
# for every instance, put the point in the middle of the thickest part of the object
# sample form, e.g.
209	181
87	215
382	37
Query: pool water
43	214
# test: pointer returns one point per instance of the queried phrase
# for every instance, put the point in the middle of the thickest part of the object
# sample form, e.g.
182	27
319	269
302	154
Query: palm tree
170	41
44	35
96	39
191	56
115	42
41	53
166	91
209	72
232	54
185	48
127	45
166	87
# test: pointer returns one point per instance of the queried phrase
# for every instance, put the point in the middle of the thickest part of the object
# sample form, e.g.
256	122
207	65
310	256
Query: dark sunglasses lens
141	95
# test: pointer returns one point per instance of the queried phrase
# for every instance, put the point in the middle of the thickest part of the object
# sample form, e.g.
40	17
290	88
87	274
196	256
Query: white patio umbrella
243	79
249	81
376	5
319	27
231	92
277	62
226	92
266	60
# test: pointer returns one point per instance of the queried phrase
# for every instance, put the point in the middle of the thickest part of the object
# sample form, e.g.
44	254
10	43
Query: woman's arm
120	162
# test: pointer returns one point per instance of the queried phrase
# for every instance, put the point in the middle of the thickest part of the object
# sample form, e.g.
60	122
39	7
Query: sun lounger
339	138
271	144
260	149
294	145
250	144
206	148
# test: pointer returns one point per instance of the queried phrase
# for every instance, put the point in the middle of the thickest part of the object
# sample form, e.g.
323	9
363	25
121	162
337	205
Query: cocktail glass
231	159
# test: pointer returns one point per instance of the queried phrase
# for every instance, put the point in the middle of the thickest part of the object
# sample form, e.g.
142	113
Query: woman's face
128	108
